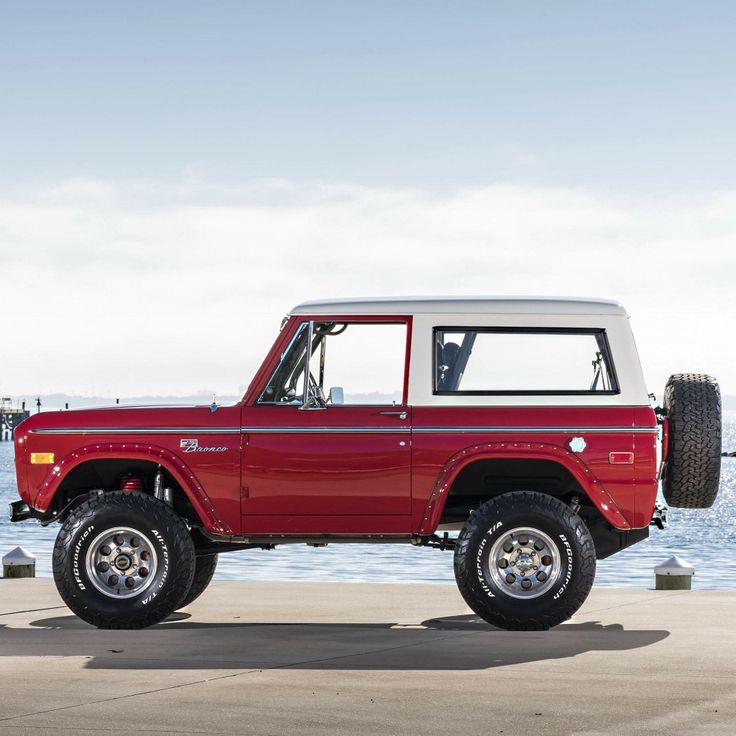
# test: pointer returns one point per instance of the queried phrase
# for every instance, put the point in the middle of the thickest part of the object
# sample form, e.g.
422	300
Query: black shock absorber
163	494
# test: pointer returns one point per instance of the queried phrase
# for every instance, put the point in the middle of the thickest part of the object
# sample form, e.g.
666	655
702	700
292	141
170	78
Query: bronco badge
194	446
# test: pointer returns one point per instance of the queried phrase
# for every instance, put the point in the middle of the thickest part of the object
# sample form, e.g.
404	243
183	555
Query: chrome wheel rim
524	563
121	562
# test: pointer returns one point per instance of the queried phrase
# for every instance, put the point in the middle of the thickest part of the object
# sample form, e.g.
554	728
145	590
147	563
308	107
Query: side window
522	361
350	363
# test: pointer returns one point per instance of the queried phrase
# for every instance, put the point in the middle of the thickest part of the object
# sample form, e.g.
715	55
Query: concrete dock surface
340	658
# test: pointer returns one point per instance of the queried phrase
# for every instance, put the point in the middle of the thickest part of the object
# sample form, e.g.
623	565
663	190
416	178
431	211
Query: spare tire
692	402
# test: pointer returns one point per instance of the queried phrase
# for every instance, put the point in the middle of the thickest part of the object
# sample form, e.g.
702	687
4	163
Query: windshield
349	363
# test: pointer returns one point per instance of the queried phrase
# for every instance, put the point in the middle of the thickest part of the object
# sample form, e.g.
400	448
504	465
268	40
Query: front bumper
20	511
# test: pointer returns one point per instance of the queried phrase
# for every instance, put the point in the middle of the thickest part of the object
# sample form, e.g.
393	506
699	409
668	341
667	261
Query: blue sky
625	95
174	176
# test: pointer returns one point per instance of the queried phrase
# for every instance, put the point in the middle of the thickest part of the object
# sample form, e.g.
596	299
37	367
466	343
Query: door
326	442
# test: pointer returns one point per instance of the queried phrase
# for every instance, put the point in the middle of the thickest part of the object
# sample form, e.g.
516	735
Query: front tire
524	561
123	560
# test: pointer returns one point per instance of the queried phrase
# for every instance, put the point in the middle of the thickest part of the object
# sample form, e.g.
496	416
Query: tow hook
659	517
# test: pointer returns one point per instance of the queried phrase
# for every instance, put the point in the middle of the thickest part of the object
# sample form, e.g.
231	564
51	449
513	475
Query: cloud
162	287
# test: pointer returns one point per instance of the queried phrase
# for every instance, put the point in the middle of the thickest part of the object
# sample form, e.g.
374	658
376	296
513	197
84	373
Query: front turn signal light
42	458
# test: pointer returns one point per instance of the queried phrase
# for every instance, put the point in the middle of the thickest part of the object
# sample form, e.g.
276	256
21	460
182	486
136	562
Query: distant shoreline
57	401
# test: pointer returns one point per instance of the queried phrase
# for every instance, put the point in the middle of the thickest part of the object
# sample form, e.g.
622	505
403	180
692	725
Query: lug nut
135	541
143	571
129	582
145	555
105	550
523	540
503	562
113	580
547	560
541	576
508	547
539	546
510	578
103	566
526	584
118	539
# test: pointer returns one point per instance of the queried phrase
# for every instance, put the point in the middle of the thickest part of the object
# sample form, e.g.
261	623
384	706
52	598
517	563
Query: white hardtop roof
460	305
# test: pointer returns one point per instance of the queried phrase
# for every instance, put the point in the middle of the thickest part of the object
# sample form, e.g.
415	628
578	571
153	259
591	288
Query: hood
133	417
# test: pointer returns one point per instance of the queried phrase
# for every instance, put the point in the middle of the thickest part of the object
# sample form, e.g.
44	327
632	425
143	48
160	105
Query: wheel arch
517	454
131	455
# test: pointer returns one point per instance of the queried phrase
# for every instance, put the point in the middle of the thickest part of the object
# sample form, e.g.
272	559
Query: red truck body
353	470
523	424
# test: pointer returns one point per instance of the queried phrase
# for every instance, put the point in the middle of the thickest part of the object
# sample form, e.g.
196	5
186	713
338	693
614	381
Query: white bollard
19	563
674	574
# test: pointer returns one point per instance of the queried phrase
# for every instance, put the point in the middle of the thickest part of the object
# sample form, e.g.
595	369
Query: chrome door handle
399	414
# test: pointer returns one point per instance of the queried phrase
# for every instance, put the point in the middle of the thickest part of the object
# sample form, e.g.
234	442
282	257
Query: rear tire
203	572
692	470
123	560
524	561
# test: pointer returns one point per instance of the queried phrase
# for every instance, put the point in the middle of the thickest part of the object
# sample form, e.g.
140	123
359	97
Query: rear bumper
659	517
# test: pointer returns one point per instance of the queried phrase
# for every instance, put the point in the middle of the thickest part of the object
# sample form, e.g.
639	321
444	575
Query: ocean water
706	538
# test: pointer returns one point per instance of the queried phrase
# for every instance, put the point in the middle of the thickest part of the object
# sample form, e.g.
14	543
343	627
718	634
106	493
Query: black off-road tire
565	592
692	471
203	572
170	577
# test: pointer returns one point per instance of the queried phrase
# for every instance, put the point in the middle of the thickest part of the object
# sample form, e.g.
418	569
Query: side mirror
337	396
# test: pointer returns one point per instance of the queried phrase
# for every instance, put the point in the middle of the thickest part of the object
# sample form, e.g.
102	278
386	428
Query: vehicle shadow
448	643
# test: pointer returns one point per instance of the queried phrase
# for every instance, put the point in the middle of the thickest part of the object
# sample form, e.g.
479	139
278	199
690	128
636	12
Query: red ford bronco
524	424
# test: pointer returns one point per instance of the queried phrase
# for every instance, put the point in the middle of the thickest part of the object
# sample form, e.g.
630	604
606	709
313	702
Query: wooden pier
10	417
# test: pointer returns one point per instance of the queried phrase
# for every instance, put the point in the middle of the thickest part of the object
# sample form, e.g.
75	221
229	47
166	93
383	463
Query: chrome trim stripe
229	430
531	430
347	430
447	430
327	430
139	430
